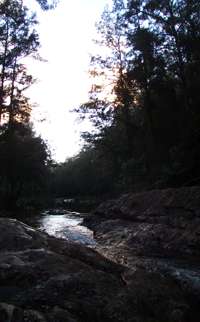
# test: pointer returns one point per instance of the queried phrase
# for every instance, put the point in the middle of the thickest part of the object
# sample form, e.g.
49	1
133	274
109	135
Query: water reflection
65	225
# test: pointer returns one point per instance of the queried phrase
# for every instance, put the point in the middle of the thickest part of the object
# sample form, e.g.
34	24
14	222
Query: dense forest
143	105
144	102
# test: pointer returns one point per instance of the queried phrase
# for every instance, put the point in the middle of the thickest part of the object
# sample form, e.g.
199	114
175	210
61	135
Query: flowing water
63	224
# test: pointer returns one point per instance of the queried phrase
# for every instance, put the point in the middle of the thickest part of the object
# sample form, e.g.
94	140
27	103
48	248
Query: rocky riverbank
150	272
48	279
156	232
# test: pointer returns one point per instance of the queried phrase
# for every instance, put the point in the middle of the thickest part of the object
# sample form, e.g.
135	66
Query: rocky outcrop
159	223
155	232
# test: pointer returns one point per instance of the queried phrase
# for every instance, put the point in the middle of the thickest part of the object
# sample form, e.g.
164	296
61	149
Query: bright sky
66	35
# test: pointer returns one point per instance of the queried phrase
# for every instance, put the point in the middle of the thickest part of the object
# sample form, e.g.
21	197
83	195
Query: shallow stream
62	224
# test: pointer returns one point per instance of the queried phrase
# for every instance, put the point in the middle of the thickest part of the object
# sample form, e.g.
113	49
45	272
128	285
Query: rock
43	279
159	223
155	232
17	236
47	279
149	273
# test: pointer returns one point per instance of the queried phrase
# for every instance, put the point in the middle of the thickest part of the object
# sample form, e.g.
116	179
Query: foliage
146	121
18	39
24	157
23	167
83	175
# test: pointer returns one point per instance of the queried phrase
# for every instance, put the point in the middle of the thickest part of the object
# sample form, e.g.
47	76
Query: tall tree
152	57
18	39
23	156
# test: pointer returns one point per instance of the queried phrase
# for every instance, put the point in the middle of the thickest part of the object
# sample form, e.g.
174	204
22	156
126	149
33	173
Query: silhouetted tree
152	58
23	156
18	39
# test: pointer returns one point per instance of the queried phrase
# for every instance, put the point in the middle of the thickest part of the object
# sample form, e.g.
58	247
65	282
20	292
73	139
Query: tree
151	55
24	160
18	39
178	23
85	175
24	157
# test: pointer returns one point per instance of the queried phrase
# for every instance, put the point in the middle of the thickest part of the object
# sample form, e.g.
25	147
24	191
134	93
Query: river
62	224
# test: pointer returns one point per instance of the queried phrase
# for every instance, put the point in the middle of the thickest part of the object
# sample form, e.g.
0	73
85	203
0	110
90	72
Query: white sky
66	35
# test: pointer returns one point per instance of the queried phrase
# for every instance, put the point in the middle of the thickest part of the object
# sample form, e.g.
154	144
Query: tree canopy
146	122
143	103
